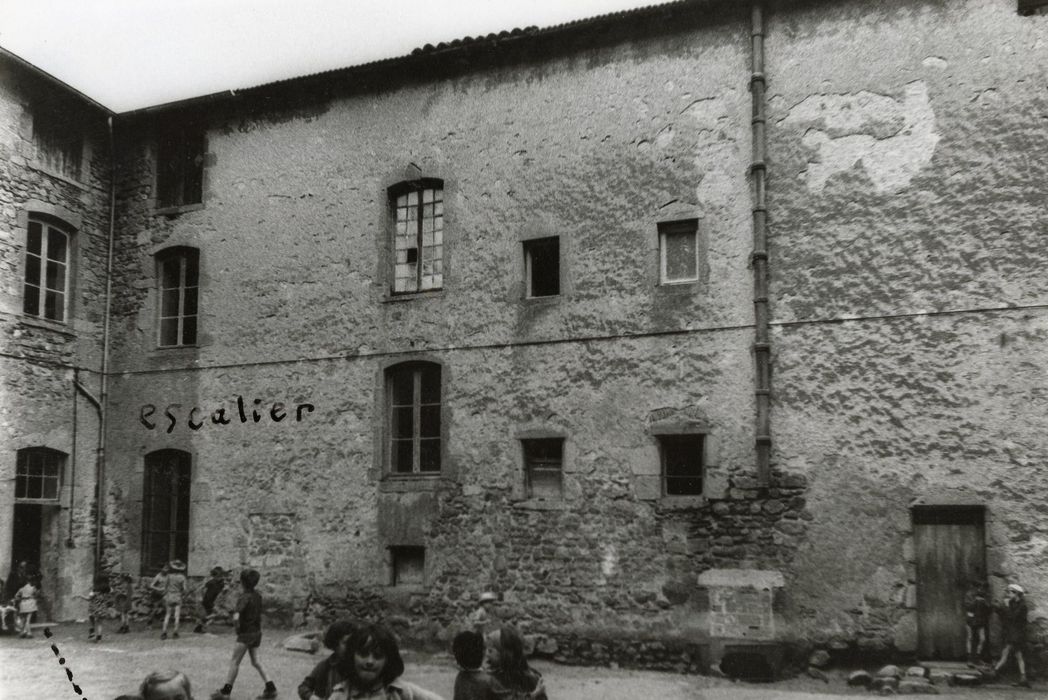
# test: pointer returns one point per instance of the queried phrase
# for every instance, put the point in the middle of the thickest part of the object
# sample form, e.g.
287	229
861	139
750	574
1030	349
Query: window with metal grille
178	273
418	236
679	251
413	390
409	566
682	464
38	475
542	266
180	167
59	142
165	509
543	466
46	288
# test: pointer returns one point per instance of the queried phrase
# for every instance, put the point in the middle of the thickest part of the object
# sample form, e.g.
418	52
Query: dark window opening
180	168
413	390
543	464
681	464
1033	7
165	509
59	143
542	266
409	566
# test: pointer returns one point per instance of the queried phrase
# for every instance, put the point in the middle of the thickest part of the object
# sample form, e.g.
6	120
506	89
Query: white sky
128	54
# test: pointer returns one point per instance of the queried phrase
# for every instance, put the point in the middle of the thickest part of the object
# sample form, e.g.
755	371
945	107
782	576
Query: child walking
96	606
212	588
25	600
173	587
1013	622
248	622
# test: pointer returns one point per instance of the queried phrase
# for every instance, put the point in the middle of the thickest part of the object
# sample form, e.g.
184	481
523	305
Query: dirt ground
29	669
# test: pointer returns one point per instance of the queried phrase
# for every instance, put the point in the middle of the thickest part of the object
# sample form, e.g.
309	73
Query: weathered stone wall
596	147
37	358
907	294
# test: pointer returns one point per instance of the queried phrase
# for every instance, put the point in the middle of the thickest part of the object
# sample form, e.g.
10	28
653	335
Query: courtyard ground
29	670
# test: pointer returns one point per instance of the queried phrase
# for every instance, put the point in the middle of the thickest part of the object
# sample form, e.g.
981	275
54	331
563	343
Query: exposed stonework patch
892	139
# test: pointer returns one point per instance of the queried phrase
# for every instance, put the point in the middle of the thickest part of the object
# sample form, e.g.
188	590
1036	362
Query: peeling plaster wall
595	148
907	283
36	376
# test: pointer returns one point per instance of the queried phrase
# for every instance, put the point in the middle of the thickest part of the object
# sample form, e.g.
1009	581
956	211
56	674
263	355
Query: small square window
679	251
409	566
180	168
542	267
1033	7
544	467
681	464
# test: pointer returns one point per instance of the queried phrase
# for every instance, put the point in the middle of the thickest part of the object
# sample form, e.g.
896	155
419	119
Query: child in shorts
97	608
125	592
25	600
248	623
212	588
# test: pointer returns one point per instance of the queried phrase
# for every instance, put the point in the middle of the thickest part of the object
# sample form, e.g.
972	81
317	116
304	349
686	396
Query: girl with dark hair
372	669
513	678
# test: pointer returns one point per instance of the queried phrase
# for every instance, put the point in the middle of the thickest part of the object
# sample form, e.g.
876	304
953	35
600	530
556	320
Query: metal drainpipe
72	469
762	343
100	480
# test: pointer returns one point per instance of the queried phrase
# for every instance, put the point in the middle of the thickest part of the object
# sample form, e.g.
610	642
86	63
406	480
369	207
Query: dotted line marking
61	662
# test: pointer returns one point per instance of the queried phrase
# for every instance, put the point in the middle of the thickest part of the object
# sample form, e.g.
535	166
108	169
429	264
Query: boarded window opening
542	266
409	565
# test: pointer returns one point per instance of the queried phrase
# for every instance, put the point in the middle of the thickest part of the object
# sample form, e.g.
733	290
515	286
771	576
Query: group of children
365	663
1013	614
170	588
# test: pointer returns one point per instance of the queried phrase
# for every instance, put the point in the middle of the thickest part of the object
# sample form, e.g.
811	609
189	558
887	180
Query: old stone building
693	326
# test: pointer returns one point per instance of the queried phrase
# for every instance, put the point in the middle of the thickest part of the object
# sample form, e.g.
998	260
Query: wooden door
950	554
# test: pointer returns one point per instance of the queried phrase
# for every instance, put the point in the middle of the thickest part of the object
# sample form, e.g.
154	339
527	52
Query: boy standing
248	623
977	622
1013	622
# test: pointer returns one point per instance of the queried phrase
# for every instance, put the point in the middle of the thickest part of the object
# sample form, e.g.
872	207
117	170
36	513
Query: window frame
184	255
22	458
46	225
180	501
678	226
529	245
180	156
416	368
530	461
662	439
404	189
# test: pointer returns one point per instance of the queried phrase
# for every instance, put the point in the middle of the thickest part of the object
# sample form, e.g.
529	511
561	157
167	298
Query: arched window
38	475
417	213
46	289
178	278
165	509
413	394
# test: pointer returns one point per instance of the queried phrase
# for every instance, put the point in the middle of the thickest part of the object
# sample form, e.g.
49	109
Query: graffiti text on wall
196	417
